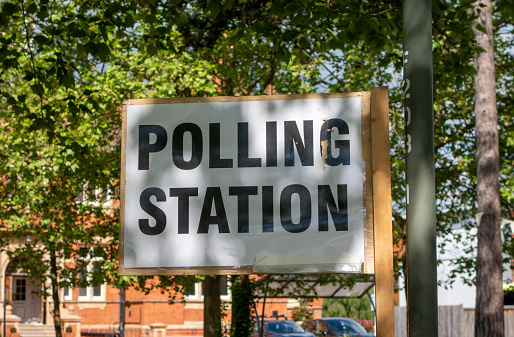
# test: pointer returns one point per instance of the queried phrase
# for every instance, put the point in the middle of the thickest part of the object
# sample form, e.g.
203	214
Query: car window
283	327
345	326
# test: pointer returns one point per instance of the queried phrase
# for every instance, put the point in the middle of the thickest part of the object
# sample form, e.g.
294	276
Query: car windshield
283	327
345	326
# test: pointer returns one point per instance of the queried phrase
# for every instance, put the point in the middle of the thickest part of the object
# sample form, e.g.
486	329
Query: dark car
335	327
281	328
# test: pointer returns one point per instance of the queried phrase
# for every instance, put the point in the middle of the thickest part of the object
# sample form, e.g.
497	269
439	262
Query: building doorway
25	296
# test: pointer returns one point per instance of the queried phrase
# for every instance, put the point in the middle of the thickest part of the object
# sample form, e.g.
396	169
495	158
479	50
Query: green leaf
289	35
304	43
481	28
37	89
278	9
102	50
161	30
334	43
435	9
151	50
227	5
29	76
262	28
32	8
291	8
214	8
41	39
76	31
90	48
10	63
67	81
283	54
240	33
84	108
11	100
19	109
150	18
42	14
73	108
9	8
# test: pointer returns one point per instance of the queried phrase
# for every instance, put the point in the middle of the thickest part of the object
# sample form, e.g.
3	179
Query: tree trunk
242	300
55	293
212	307
489	301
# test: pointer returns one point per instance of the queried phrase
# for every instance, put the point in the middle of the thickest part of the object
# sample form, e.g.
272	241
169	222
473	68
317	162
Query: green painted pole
421	278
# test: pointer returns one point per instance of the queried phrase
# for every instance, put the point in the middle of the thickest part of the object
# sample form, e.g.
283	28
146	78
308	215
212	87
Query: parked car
281	328
335	327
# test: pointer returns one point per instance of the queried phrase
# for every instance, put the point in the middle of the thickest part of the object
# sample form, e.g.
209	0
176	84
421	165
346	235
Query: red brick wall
141	308
153	308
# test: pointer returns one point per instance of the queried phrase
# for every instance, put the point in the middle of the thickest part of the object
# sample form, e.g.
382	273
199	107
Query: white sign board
276	185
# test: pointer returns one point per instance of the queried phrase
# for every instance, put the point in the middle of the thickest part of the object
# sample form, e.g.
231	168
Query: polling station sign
232	185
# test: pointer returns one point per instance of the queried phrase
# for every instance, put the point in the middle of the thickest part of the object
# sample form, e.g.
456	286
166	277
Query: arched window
13	269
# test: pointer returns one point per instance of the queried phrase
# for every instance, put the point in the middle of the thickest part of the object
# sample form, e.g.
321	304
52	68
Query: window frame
89	295
198	291
69	296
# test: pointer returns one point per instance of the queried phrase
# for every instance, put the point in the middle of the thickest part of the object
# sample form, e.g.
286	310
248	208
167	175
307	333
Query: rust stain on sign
324	148
324	153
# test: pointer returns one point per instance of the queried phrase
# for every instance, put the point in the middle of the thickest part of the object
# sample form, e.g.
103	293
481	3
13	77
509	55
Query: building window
224	288
196	291
67	294
20	290
93	196
97	291
92	265
193	291
83	291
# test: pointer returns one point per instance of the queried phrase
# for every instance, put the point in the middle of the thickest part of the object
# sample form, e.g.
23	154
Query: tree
64	76
489	308
212	306
55	175
242	321
67	66
359	308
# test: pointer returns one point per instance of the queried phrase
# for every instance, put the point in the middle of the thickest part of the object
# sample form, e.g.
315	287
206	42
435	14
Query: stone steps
36	330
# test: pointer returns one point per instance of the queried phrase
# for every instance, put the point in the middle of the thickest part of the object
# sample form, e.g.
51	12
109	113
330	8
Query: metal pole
122	312
5	304
257	321
421	278
261	330
374	310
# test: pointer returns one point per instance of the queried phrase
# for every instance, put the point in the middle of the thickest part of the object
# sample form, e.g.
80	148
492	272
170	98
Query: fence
454	321
98	334
110	333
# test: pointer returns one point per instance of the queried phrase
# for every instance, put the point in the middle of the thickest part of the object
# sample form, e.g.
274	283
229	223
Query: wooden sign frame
382	213
377	196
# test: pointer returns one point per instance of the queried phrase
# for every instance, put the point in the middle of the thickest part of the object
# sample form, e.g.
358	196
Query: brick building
98	308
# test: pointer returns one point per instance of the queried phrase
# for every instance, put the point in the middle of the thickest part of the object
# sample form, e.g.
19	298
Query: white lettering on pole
409	143
406	94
